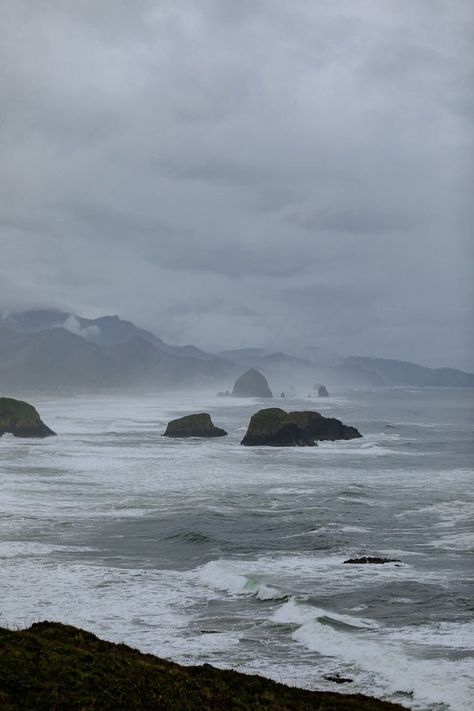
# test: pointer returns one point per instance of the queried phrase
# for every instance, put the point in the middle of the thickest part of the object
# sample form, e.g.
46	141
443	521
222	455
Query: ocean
204	551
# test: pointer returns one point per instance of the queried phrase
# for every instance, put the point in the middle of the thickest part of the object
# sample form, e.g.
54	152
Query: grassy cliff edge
55	666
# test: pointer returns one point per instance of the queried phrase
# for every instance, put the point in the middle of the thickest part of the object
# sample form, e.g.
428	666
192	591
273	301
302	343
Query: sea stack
276	428
322	391
251	384
199	425
21	419
272	428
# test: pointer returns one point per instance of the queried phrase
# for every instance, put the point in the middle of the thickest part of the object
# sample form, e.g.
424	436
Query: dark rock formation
276	428
251	384
51	665
338	679
21	419
199	425
323	428
365	559
223	394
282	394
272	428
322	391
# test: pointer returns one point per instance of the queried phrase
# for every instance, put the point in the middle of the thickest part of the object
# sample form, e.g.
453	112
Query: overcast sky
243	172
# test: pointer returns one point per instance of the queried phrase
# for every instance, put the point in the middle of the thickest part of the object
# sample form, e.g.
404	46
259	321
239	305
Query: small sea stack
321	390
251	384
199	425
21	419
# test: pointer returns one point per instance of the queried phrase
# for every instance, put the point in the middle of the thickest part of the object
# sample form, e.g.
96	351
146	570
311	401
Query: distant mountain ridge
56	351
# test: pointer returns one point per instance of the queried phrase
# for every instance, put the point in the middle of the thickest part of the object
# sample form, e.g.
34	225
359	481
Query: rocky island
276	428
199	425
251	384
21	419
51	665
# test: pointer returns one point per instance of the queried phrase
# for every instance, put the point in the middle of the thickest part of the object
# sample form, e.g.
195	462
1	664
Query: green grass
54	666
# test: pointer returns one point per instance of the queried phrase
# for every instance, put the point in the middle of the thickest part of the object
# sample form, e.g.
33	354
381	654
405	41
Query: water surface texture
206	551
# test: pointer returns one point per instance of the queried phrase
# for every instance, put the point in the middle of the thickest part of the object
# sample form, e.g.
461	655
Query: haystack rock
276	428
21	419
199	425
251	384
322	391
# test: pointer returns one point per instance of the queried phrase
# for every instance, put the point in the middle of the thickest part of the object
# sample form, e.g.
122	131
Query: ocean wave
293	612
224	576
391	662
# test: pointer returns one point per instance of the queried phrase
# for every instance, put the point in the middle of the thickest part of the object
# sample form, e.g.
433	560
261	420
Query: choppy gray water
206	551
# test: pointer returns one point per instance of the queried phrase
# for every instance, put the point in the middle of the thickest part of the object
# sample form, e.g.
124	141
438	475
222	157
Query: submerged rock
21	419
367	559
251	384
276	428
322	391
338	679
199	425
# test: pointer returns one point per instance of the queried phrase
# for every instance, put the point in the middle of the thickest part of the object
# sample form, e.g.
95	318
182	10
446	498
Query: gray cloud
243	173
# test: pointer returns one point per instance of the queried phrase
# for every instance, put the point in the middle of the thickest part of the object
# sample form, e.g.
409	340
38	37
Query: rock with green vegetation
276	428
272	428
251	384
199	425
21	419
54	666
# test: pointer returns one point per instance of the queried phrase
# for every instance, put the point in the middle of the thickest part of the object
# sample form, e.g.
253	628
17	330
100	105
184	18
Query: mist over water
206	551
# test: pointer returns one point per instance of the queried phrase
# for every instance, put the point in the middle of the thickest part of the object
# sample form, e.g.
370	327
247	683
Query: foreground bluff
276	428
251	384
55	666
199	425
21	419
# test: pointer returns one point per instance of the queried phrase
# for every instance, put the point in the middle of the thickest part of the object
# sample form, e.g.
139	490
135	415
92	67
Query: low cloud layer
233	173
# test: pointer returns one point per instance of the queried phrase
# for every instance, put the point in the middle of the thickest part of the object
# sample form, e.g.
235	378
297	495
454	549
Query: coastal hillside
56	351
51	665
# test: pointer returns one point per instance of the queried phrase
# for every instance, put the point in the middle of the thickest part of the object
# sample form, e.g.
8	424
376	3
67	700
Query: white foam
27	549
393	664
456	541
453	635
354	529
223	576
293	612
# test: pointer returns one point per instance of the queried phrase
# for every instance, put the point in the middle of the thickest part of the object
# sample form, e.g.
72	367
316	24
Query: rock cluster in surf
276	428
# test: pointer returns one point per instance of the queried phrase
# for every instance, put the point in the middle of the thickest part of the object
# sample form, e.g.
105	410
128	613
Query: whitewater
204	551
